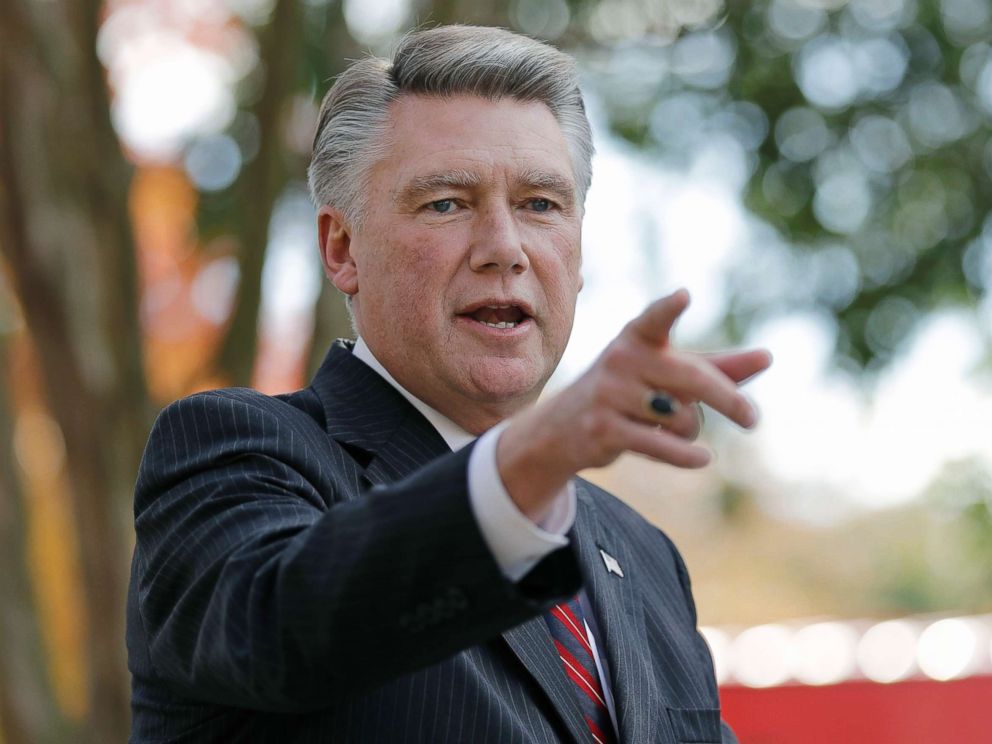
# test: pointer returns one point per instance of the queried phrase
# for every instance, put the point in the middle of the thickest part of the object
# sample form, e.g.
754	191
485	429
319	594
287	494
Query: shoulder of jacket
606	501
620	511
239	401
237	411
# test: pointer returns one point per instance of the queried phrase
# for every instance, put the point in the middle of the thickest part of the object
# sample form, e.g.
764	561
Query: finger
688	422
662	445
654	325
692	377
740	366
695	426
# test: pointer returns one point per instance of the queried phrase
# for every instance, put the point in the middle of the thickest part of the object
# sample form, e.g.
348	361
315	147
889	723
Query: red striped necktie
569	633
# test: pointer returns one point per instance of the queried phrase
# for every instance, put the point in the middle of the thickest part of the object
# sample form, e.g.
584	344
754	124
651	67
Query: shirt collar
452	434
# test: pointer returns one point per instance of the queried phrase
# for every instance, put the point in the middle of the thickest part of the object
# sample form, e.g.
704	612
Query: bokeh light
213	162
545	19
764	655
951	648
826	653
887	651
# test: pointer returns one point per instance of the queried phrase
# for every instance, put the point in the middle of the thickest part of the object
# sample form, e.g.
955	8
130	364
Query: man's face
466	269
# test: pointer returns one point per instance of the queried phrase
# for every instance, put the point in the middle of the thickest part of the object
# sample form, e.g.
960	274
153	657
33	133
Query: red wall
912	712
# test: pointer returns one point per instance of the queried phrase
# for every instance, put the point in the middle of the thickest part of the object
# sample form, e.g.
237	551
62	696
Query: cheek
565	243
563	277
414	278
563	281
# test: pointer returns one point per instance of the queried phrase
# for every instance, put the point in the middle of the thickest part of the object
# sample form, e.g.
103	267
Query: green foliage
961	562
865	129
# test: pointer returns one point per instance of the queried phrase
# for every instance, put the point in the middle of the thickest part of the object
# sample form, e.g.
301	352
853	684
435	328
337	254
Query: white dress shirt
517	543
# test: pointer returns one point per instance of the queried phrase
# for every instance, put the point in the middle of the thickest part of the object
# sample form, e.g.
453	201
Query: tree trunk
331	317
66	237
263	181
28	713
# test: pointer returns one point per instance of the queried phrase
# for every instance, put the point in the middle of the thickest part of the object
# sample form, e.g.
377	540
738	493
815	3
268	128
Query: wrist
531	465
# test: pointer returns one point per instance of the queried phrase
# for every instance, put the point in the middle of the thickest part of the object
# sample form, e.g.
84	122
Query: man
348	563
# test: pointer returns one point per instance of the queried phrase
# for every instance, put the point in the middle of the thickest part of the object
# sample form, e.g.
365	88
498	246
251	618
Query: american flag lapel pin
611	563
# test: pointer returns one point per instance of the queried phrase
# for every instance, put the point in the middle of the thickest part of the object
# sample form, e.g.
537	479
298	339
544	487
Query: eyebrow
563	188
428	184
542	180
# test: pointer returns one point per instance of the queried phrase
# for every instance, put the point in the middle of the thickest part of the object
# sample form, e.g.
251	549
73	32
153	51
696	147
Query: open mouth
501	316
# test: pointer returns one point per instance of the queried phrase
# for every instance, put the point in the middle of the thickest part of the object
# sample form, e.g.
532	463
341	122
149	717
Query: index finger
654	325
740	366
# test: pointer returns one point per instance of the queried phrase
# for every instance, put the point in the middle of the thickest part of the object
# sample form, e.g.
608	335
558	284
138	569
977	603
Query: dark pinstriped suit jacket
308	569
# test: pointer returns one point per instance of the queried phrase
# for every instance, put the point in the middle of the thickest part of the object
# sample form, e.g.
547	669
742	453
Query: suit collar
363	411
454	435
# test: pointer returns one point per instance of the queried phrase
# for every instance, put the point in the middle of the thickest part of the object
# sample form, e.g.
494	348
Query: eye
540	205
442	206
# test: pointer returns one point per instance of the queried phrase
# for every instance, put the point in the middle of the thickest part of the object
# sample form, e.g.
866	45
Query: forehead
492	139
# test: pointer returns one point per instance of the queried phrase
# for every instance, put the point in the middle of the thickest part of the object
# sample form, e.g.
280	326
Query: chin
508	380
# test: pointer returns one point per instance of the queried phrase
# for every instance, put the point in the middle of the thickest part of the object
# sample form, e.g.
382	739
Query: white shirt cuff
516	542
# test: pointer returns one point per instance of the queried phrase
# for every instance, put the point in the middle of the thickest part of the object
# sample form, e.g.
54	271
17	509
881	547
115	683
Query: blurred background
816	172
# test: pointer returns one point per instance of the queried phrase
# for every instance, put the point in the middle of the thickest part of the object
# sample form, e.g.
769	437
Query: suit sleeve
262	579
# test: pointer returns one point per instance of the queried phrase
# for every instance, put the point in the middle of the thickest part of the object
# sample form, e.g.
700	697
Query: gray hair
492	63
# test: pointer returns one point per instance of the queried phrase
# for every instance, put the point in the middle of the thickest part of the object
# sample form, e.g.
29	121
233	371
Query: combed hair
493	63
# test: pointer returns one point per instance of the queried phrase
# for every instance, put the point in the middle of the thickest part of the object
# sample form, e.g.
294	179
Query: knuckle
695	377
601	397
614	358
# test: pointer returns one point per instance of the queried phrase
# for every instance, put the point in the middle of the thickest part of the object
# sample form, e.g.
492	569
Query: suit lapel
531	643
620	616
399	456
363	412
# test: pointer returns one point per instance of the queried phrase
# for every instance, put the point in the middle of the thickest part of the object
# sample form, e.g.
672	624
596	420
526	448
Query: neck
475	417
470	414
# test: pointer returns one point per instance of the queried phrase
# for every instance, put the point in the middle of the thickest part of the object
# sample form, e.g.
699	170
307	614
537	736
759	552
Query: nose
496	243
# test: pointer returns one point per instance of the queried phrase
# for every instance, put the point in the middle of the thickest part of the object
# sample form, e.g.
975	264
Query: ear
334	237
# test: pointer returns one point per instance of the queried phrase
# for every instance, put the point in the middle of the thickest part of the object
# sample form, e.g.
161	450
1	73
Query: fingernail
751	419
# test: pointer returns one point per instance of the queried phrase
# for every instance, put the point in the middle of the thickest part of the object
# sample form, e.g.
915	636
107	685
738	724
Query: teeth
499	325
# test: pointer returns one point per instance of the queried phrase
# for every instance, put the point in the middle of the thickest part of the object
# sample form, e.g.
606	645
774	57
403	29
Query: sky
830	448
